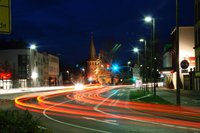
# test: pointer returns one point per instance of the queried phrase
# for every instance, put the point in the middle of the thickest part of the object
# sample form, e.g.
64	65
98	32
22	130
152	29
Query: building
97	67
53	69
186	52
29	68
197	43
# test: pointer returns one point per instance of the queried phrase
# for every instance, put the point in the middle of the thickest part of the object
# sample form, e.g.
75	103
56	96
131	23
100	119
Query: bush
17	122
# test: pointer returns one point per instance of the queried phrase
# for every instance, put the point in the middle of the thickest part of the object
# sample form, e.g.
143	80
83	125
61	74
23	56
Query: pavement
188	98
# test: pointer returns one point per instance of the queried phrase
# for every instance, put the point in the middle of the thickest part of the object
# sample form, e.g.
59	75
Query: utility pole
178	101
154	57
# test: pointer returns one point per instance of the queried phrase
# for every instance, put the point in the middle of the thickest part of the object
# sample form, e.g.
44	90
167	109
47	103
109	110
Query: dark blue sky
64	26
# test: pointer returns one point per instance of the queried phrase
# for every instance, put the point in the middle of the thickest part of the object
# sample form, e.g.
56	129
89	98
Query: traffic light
134	79
107	66
115	68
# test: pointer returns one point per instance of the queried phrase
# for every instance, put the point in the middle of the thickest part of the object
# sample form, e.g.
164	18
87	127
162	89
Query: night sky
64	26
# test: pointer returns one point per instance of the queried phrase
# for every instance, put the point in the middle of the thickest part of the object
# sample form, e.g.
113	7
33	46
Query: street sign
5	17
184	64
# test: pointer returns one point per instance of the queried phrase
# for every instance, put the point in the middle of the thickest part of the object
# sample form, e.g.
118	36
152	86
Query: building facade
29	68
53	70
197	43
186	53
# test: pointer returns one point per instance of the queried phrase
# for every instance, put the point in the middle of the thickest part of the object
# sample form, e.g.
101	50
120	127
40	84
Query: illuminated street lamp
151	20
148	19
32	60
68	74
83	70
145	45
34	75
136	50
145	60
33	46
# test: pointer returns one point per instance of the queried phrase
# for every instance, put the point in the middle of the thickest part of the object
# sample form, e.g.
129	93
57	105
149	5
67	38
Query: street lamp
129	62
83	73
33	46
151	20
145	47
178	97
145	59
33	74
136	50
83	70
68	78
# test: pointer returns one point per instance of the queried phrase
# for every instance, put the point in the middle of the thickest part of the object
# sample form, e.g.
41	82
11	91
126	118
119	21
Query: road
107	109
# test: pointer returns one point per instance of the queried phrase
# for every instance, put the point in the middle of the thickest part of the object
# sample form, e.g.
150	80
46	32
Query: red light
5	75
107	66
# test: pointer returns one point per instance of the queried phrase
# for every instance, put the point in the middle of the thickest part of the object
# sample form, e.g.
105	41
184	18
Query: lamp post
128	63
151	20
68	78
83	73
115	69
33	73
178	99
136	50
130	69
145	59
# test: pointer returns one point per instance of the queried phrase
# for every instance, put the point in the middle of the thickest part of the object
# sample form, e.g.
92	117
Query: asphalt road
105	110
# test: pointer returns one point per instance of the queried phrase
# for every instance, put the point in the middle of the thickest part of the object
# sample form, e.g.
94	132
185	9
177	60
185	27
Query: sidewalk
188	98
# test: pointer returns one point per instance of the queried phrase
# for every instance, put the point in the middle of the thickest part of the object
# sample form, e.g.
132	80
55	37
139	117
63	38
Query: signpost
184	64
5	17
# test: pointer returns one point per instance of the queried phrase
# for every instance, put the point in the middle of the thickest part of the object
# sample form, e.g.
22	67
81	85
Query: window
22	66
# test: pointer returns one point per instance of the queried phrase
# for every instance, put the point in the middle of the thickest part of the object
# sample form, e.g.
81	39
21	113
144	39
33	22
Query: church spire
92	56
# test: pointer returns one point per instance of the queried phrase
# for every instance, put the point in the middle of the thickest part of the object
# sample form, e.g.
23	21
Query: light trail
97	106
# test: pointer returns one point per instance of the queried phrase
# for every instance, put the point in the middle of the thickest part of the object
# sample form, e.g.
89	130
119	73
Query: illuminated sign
5	75
5	17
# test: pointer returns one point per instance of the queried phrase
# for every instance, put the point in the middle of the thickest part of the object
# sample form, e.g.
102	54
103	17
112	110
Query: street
107	109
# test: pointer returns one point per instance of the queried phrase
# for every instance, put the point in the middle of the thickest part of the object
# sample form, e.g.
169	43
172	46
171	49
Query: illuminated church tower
97	67
92	62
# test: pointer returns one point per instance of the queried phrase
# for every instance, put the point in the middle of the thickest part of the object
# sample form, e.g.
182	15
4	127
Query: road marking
69	124
96	108
112	102
104	121
116	102
41	127
112	121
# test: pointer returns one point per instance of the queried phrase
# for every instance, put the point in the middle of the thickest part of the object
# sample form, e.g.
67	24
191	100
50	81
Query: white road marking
41	127
111	120
69	124
104	121
112	102
116	102
96	108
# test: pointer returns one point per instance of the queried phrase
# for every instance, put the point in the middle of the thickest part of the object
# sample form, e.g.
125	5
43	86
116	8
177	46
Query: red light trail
91	103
